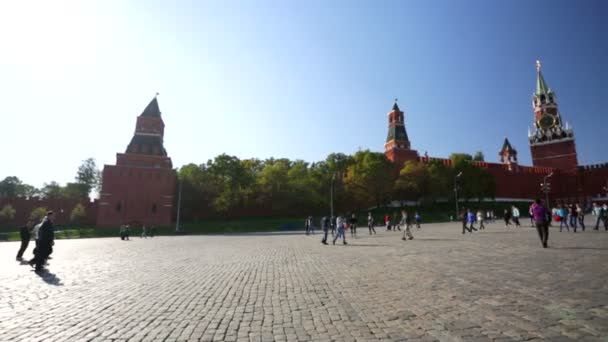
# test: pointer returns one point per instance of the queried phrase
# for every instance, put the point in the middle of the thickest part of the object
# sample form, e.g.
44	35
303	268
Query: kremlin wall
141	187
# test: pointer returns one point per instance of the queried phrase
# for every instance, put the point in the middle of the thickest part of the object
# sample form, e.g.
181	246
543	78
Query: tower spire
541	85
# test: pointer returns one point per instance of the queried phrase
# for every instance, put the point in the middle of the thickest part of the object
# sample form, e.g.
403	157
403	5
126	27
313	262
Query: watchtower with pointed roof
551	142
397	147
139	188
508	155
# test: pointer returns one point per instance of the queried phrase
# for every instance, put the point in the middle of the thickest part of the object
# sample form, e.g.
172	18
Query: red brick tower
139	188
552	143
508	155
397	146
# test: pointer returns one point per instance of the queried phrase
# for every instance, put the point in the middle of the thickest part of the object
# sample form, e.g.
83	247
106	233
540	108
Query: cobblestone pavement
497	284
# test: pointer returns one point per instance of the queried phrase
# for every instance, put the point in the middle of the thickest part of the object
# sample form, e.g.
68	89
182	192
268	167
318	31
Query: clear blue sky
296	79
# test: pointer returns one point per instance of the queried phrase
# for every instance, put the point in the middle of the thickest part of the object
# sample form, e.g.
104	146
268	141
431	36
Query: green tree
78	214
273	184
369	179
413	181
458	158
52	190
38	214
75	191
478	156
88	175
7	213
440	180
199	191
12	187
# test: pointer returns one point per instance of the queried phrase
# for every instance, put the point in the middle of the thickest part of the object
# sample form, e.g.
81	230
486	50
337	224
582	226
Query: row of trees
87	179
227	186
8	213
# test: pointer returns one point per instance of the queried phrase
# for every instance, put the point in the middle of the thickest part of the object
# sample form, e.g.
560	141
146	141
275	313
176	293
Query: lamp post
546	188
456	191
179	207
331	196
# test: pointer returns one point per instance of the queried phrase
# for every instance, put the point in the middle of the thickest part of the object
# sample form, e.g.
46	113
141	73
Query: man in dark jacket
26	233
44	243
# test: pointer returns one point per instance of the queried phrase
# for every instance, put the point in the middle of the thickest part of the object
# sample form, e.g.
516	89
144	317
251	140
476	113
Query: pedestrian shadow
367	245
50	278
432	239
583	248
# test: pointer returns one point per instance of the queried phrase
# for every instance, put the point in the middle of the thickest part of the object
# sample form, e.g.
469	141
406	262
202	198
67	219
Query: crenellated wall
61	207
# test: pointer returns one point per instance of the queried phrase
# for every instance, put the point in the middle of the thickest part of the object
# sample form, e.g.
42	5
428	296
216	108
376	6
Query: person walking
144	232
463	219
597	212
418	219
471	220
580	214
45	241
124	232
353	225
540	218
531	215
480	219
340	222
604	213
407	221
370	223
332	225
515	215
507	218
325	227
397	222
563	220
25	233
573	216
387	222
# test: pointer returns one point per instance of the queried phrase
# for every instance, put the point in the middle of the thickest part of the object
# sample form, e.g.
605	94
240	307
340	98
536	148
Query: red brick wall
61	207
400	156
129	194
561	155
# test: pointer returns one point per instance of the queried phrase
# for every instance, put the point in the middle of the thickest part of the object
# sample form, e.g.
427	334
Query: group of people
573	216
44	237
339	224
469	218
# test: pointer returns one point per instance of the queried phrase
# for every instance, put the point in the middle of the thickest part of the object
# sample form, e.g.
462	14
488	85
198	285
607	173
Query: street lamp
456	191
179	206
546	188
331	196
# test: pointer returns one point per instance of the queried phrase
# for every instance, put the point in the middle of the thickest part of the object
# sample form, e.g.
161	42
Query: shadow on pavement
582	248
364	245
431	239
49	278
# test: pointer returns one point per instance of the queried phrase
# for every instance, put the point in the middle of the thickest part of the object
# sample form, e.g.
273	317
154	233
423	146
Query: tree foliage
88	176
12	186
479	156
78	214
7	213
38	214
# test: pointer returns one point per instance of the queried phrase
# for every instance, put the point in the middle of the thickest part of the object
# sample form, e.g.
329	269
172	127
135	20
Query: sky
294	79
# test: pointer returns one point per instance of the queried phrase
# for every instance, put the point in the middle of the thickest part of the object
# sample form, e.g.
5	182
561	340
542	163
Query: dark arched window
118	206
154	208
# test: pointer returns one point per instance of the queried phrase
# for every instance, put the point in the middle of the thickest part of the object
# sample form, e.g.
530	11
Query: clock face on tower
546	121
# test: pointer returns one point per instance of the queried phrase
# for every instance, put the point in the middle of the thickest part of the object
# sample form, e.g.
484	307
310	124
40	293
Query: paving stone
497	284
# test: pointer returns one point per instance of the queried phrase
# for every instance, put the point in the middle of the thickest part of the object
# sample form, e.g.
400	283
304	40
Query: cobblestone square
494	285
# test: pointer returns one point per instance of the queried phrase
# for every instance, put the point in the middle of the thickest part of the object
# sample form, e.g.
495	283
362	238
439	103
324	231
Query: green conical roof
506	146
541	86
152	109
